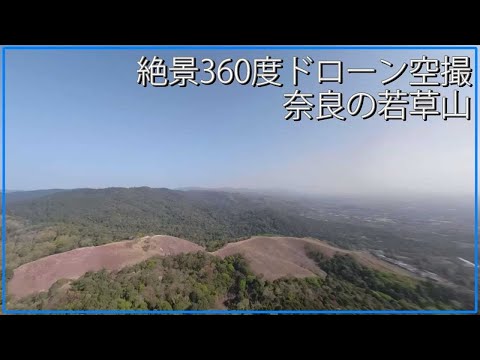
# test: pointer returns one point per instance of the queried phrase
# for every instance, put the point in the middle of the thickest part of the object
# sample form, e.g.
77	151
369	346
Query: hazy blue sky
79	119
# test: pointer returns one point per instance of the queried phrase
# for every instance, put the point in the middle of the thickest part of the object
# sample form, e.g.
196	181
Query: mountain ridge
270	257
193	279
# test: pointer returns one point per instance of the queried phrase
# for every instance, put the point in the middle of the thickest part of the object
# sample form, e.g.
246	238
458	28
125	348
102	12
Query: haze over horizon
461	199
89	125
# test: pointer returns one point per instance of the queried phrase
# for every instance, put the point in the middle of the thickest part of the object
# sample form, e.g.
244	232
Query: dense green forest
101	216
198	281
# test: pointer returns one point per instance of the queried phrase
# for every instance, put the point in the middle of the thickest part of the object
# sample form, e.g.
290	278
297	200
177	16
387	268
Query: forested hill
42	223
16	196
120	213
207	217
46	222
200	281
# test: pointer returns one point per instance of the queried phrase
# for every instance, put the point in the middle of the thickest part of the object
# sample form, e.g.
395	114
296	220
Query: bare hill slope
277	256
272	257
40	274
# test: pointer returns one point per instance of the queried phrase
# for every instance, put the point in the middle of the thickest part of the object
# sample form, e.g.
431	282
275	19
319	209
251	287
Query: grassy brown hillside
201	281
270	257
73	234
428	236
278	256
270	273
40	274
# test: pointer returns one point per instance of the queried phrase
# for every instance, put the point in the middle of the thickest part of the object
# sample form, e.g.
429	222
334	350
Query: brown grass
276	257
272	257
39	275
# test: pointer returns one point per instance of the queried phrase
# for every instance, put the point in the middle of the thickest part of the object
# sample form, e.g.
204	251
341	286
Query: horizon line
393	193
